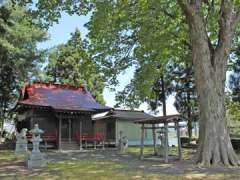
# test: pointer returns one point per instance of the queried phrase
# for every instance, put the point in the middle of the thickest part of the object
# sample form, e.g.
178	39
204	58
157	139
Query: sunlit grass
91	170
148	150
7	155
96	169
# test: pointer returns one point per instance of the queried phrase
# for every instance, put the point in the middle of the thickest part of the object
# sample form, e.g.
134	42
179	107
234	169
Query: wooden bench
98	137
46	137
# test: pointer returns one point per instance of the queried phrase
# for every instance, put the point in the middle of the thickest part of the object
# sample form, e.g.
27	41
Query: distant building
122	120
62	111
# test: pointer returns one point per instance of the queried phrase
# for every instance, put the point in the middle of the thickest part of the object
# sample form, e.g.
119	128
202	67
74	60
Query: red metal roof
60	97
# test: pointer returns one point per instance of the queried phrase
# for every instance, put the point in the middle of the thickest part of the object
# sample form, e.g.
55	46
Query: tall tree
19	56
71	63
211	27
210	64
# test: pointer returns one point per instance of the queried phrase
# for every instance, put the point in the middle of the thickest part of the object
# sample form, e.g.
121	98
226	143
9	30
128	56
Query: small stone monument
162	139
123	143
36	158
21	143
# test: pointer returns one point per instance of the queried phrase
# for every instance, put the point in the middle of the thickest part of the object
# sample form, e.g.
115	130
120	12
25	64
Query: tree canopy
71	63
19	56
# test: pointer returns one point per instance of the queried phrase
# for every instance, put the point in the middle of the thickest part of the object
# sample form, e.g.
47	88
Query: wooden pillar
179	141
154	139
142	141
69	130
103	144
32	119
45	145
80	134
166	142
86	145
60	132
116	132
95	144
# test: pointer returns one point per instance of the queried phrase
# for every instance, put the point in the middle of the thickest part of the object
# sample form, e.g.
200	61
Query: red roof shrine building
62	111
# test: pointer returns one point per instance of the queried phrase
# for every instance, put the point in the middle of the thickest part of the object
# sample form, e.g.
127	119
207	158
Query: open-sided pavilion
155	123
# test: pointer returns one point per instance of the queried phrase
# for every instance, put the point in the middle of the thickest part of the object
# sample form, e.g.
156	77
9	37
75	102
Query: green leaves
71	63
233	115
49	12
19	55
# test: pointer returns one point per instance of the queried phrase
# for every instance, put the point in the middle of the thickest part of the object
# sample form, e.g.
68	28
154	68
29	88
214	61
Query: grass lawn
92	168
148	150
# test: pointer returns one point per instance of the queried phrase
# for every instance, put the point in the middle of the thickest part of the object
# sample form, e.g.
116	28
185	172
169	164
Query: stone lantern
36	158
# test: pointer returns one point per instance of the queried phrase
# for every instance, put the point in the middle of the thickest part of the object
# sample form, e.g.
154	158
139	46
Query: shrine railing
88	137
48	137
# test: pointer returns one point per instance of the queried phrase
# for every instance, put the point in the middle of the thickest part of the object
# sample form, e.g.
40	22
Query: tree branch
186	7
229	18
169	14
237	17
227	24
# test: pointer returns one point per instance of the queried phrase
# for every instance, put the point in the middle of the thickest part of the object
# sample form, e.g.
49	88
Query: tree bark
214	141
210	73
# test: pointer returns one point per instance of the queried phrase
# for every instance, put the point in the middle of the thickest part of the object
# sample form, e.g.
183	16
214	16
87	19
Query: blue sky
60	33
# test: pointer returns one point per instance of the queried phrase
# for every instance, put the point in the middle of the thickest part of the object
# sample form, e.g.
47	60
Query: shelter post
142	141
166	142
80	135
154	139
179	141
69	131
60	133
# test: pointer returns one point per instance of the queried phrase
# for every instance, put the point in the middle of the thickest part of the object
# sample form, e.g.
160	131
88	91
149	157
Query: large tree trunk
214	142
210	74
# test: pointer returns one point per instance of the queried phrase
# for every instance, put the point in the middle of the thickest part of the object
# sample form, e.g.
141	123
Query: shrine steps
72	145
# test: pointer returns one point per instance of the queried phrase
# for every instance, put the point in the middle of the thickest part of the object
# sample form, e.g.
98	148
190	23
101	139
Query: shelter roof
161	119
124	115
59	97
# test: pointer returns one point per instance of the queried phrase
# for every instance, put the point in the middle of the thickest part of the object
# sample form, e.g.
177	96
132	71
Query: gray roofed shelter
125	114
154	122
118	120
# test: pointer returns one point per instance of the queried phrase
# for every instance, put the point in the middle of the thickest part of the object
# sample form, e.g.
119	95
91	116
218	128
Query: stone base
161	151
36	160
36	163
21	148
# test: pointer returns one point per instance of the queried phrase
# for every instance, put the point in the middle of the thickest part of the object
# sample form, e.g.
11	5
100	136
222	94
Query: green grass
94	169
148	150
101	170
10	156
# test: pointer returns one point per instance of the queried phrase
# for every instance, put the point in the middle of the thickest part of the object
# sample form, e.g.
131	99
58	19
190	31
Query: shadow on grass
91	167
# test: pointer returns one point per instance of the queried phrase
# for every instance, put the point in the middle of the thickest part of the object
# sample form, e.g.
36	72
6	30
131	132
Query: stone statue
21	143
36	158
123	143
